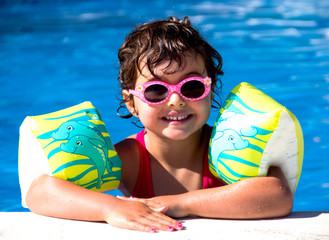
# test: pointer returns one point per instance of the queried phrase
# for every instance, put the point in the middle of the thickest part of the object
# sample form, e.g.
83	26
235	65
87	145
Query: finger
144	218
162	209
129	198
151	222
150	203
142	227
156	224
133	225
154	206
165	223
122	197
147	223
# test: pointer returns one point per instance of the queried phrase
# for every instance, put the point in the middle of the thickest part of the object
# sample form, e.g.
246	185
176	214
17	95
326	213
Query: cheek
204	107
205	103
148	117
145	112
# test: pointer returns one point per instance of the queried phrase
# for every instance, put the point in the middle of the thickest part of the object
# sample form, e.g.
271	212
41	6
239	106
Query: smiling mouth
178	118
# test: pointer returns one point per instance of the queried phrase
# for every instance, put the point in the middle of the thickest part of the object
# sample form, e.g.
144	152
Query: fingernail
153	229
170	228
180	225
132	197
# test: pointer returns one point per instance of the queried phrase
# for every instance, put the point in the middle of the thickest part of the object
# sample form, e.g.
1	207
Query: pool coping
298	225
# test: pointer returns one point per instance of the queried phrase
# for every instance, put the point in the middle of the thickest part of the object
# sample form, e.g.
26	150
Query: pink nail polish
153	229
180	225
170	228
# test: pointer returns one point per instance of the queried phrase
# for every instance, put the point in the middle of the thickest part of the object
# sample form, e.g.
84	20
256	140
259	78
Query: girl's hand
135	215
170	205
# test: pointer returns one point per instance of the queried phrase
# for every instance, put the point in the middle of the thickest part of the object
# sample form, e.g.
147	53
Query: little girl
168	76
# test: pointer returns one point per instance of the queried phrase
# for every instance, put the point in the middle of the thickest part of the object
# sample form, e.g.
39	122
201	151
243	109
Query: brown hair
157	41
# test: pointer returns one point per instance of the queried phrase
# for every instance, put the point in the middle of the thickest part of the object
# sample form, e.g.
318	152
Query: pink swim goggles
157	92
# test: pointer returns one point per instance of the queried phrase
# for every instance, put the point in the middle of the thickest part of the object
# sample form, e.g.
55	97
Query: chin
178	134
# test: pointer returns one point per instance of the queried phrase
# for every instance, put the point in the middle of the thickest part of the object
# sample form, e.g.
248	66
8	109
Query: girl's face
177	118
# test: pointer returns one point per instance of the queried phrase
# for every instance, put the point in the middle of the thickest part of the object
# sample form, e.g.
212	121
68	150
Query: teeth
176	118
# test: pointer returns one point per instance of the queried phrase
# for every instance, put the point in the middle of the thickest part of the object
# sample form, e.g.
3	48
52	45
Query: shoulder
128	153
126	145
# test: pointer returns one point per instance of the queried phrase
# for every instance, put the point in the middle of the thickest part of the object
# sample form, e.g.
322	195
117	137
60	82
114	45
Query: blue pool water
55	54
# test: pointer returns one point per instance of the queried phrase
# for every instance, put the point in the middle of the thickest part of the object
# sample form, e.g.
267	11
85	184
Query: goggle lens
155	93
193	89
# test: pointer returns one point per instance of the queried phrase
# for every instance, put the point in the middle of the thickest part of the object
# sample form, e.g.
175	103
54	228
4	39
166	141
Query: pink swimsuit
144	187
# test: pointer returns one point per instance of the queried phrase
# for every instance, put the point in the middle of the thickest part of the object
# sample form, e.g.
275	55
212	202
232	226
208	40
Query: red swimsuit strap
144	186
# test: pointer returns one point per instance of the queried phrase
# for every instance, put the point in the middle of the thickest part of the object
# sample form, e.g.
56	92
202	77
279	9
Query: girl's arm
55	197
259	197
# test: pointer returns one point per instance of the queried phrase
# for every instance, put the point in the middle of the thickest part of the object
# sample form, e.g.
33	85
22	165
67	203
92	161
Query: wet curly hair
154	42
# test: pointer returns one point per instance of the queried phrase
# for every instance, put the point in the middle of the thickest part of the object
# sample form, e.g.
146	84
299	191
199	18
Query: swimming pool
55	54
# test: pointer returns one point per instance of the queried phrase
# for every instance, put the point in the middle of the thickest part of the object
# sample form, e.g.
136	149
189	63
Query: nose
176	100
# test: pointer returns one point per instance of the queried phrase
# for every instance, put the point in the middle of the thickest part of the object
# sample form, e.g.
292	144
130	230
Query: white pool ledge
298	225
